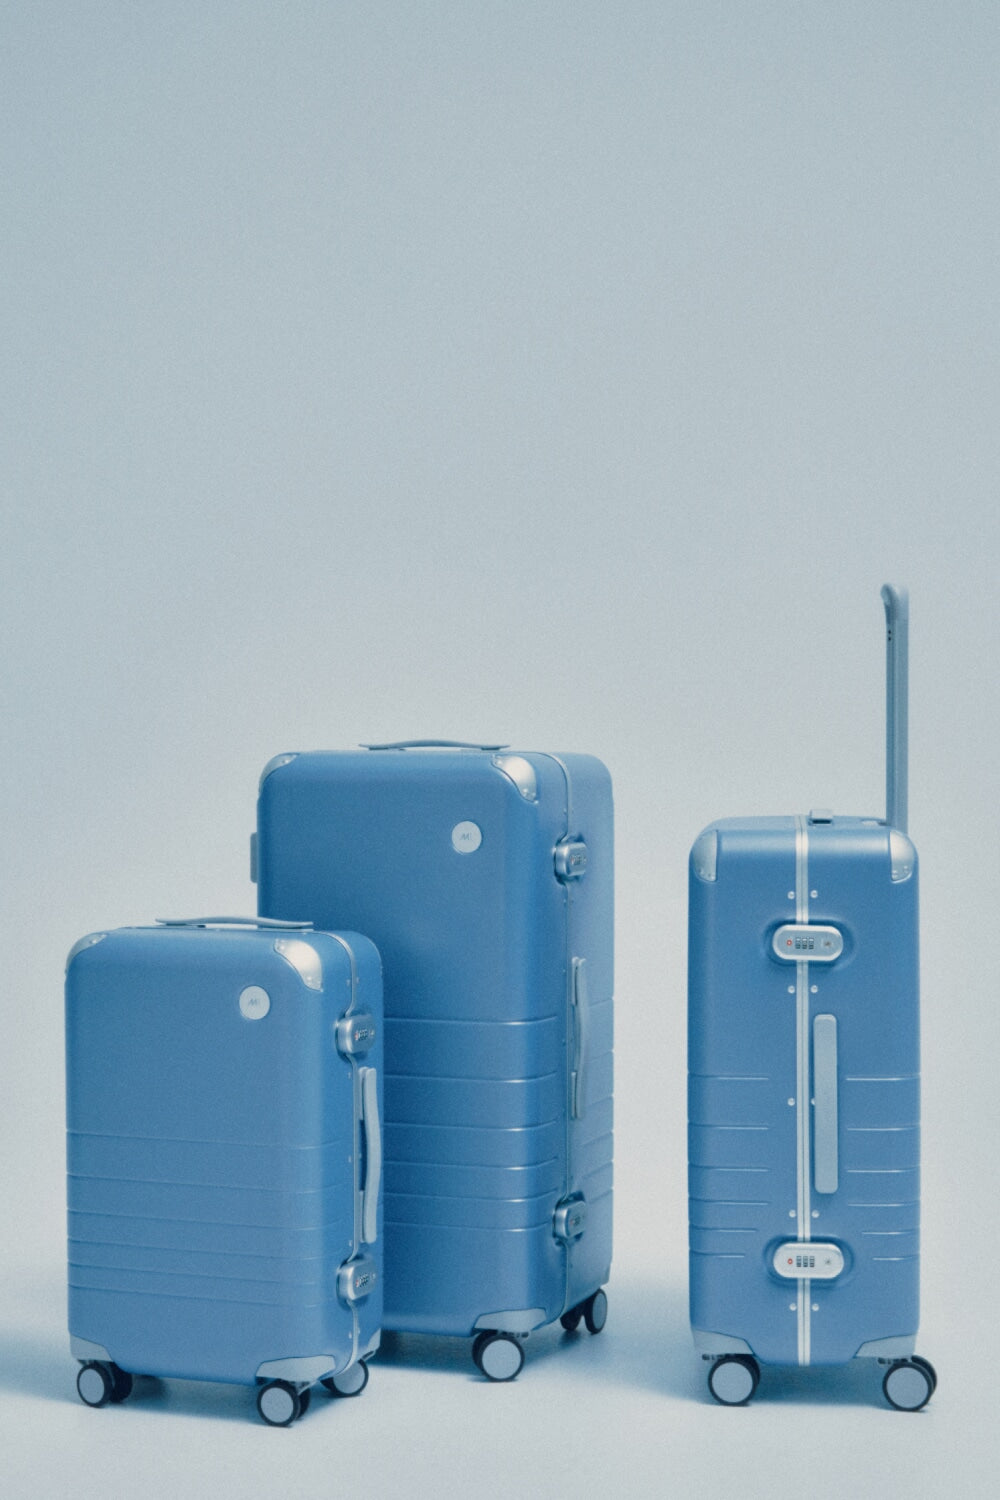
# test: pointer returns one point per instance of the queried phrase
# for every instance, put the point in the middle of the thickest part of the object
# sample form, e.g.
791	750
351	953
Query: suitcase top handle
231	922
432	745
897	630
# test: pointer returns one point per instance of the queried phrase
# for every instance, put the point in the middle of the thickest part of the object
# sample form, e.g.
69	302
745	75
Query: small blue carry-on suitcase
486	880
803	1086
224	1158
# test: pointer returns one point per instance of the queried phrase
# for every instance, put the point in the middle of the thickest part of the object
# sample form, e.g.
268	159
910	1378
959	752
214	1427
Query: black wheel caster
909	1384
925	1364
595	1311
350	1382
733	1379
498	1355
95	1383
571	1320
304	1398
121	1384
279	1403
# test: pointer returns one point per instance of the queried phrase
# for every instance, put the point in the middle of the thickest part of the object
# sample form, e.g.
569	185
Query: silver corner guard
84	1349
89	941
521	772
523	1321
705	855
274	764
894	1348
304	960
902	855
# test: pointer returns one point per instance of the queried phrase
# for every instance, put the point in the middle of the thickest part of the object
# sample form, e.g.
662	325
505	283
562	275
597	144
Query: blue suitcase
224	1156
804	1086
486	880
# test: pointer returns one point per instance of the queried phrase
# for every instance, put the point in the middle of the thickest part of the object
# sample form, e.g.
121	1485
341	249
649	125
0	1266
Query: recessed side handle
581	1039
373	1154
825	1161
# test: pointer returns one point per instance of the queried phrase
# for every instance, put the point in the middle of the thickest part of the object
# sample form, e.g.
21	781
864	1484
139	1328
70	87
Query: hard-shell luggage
224	1151
485	877
803	1086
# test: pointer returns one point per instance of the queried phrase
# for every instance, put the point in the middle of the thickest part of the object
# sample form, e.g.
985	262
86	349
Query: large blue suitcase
803	1086
486	880
224	1155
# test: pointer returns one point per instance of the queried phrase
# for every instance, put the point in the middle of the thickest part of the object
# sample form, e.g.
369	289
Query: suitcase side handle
581	1029
433	745
232	922
897	662
373	1154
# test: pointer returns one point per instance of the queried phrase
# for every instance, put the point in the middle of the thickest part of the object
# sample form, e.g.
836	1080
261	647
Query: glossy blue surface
210	1157
742	1081
480	1147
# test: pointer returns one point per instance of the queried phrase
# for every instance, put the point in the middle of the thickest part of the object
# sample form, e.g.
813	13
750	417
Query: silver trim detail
718	1343
705	854
521	772
902	855
523	1321
304	959
802	1106
275	764
90	941
84	1349
303	1371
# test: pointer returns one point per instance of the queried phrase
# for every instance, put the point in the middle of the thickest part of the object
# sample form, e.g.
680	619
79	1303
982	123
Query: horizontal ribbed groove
908	1204
720	1254
194	1140
168	1182
700	1126
880	1129
82	1239
118	1291
715	1229
110	1213
890	1078
434	1078
472	1020
895	1258
732	1202
885	1234
222	1276
879	1171
469	1198
467	1166
434	1125
733	1077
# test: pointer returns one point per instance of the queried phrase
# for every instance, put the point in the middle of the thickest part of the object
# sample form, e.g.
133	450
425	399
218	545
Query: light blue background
569	374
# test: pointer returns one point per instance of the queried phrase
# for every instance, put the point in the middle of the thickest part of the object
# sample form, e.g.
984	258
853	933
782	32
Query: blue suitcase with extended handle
224	1158
486	880
804	1145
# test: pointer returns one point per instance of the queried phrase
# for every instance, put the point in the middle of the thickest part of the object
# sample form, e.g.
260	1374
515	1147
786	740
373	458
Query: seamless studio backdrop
561	374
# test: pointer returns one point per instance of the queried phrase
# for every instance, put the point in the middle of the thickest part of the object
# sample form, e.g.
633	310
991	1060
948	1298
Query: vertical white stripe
802	1107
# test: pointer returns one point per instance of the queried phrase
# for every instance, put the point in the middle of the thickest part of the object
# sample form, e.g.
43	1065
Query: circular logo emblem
254	1003
466	837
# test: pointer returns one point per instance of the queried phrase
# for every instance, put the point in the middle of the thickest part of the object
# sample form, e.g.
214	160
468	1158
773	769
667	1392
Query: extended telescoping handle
432	745
373	1155
897	663
232	922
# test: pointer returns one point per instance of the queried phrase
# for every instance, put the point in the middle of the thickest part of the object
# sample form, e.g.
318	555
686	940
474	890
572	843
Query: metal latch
355	1034
812	1260
571	859
356	1278
811	942
570	1220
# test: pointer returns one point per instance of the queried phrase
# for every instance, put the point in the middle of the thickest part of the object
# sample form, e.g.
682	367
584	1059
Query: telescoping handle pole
897	630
